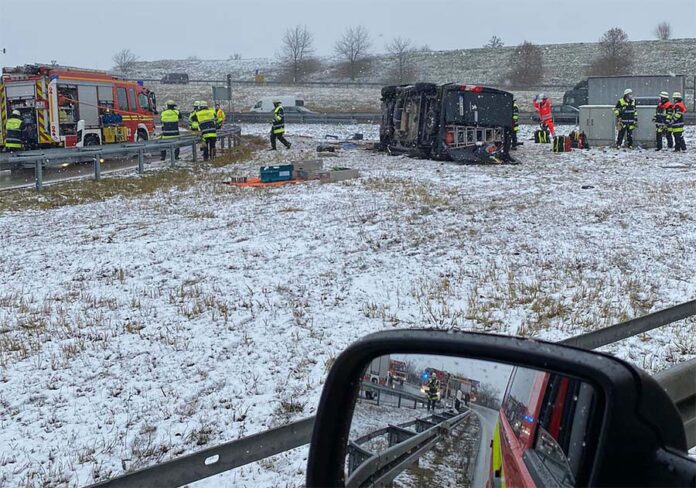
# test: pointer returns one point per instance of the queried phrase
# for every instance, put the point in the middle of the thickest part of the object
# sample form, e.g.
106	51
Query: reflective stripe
206	122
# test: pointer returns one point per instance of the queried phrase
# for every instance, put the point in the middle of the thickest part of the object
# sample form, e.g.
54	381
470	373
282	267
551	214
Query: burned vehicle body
456	122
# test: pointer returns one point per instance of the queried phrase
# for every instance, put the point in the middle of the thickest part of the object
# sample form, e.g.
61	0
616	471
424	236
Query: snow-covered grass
136	329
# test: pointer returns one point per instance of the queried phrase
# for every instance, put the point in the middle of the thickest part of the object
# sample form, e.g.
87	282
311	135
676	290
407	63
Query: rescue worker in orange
663	119
542	105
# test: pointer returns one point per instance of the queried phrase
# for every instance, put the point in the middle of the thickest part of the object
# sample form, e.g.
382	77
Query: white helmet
676	95
664	94
203	104
628	91
542	96
17	113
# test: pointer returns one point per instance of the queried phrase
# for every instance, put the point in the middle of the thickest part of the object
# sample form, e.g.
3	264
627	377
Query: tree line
353	52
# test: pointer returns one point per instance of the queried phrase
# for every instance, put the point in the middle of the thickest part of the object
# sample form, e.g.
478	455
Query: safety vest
206	122
515	117
278	120
626	110
679	109
663	115
544	109
220	116
433	387
193	122
13	126
170	123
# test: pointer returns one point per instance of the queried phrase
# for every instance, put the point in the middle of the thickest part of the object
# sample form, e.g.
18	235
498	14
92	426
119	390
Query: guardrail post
172	156
141	161
97	167
229	142
193	151
399	406
38	174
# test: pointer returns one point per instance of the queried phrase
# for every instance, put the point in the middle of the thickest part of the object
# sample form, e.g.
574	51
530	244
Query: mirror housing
638	434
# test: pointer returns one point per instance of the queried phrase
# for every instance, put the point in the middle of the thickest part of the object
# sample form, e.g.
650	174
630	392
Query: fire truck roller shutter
105	94
88	110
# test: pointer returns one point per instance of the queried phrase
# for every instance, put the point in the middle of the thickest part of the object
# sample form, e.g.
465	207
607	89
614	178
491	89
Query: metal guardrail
680	384
380	389
40	159
215	460
677	381
405	447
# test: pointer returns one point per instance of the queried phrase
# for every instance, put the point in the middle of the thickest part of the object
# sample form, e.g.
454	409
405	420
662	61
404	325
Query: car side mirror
436	408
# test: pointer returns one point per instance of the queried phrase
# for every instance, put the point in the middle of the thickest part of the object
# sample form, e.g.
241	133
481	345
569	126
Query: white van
290	104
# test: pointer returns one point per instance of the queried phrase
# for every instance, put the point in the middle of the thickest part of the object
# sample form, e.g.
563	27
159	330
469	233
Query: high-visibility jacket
278	120
679	109
663	115
193	123
515	117
220	116
170	123
13	127
543	107
206	122
625	110
433	388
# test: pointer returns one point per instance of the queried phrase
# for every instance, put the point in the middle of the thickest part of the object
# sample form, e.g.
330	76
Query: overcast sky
87	33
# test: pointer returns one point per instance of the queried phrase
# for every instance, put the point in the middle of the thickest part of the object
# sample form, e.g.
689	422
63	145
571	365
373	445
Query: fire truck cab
67	107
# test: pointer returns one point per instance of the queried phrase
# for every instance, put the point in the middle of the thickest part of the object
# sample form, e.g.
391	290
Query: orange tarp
257	183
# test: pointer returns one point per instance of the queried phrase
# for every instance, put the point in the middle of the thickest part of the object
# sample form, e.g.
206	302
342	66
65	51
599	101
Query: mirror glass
425	420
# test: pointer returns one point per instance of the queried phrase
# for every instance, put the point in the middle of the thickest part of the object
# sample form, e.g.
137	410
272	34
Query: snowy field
139	329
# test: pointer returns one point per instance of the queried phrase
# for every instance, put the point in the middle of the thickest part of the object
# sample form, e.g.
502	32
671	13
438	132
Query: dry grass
86	190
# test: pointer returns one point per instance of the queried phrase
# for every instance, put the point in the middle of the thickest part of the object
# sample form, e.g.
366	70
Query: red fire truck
66	107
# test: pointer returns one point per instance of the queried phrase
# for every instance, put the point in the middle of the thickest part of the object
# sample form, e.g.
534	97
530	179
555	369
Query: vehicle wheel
91	140
142	136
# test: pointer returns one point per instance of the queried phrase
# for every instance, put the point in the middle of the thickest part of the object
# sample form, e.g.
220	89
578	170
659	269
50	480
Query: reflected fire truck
73	107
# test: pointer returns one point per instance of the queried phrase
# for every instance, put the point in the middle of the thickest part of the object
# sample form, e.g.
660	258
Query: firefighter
663	119
278	127
433	390
625	112
677	125
542	105
515	124
170	126
193	124
206	125
14	127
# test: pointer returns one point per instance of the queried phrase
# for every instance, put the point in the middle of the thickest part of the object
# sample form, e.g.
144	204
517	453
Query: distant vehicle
175	79
66	107
606	90
290	104
463	123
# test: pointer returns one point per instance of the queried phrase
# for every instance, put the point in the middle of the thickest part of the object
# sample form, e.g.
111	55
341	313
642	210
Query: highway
488	418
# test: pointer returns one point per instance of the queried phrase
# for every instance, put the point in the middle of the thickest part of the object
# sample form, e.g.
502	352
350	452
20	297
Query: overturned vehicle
463	123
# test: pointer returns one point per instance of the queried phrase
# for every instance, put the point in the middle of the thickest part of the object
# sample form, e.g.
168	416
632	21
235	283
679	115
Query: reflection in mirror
424	420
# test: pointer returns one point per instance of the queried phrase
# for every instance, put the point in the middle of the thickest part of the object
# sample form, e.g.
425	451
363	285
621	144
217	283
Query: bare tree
353	48
527	65
235	57
494	42
296	52
124	61
663	31
401	50
616	54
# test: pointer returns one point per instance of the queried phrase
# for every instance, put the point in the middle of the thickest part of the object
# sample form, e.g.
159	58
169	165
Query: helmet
542	96
276	101
17	113
203	104
628	91
676	95
171	103
664	94
196	104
